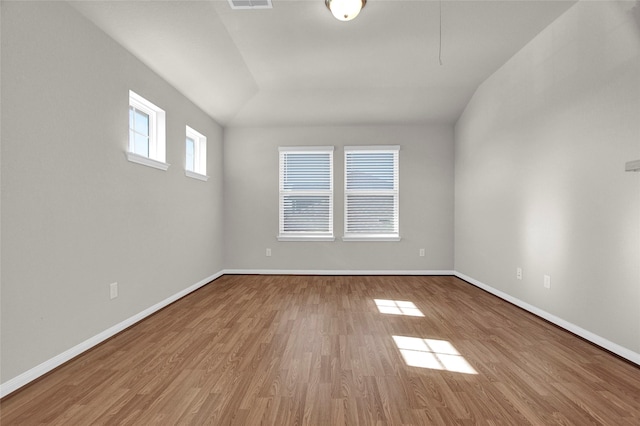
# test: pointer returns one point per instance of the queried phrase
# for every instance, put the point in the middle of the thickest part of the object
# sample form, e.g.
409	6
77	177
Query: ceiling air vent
250	4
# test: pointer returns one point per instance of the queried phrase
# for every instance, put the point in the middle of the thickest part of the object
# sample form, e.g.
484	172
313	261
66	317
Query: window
371	193
146	133
306	193
196	155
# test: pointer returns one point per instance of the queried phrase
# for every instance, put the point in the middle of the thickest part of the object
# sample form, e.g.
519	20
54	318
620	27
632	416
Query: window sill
306	238
371	237
195	175
146	161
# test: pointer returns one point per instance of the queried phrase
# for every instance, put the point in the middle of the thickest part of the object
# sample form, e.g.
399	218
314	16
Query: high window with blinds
306	193
371	193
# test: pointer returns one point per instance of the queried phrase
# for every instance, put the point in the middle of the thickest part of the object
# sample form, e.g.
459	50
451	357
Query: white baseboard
585	334
39	370
333	272
32	374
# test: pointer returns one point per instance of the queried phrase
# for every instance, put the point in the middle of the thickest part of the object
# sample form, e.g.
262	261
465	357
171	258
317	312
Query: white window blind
371	193
306	193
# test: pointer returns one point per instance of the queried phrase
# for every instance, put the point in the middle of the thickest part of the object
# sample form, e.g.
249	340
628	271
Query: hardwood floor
316	350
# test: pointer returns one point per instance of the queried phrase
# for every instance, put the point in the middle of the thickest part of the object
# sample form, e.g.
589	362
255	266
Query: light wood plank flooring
316	350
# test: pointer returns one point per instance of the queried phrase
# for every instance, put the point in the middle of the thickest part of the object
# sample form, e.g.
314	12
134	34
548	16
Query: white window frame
395	192
304	236
199	155
157	134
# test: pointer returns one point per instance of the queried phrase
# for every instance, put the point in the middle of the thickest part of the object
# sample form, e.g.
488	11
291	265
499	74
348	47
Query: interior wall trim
334	272
39	370
30	375
610	346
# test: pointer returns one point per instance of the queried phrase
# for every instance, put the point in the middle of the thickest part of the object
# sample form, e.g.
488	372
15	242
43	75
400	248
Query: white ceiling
297	65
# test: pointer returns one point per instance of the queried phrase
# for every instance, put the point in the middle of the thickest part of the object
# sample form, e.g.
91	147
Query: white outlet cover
113	290
547	281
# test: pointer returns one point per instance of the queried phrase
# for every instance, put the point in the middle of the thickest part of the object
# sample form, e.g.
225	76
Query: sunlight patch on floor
398	307
433	354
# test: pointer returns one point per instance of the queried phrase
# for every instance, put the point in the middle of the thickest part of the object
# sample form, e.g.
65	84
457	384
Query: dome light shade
345	10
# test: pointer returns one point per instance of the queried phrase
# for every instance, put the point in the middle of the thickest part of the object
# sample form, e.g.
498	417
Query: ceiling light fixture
345	10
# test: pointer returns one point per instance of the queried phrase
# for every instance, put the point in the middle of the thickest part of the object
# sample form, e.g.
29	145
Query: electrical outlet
113	290
547	281
422	252
268	252
519	273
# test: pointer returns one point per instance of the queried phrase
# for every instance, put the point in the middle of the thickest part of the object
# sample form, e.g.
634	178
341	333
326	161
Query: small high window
195	154
146	133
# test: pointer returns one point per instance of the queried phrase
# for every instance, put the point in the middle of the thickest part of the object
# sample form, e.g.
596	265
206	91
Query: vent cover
250	4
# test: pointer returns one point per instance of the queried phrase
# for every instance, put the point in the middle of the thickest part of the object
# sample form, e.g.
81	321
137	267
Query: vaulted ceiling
295	64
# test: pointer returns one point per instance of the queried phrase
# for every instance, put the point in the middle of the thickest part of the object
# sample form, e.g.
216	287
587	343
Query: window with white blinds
371	193
306	193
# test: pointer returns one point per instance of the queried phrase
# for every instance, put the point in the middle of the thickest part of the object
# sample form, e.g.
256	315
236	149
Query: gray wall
540	182
76	215
426	200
